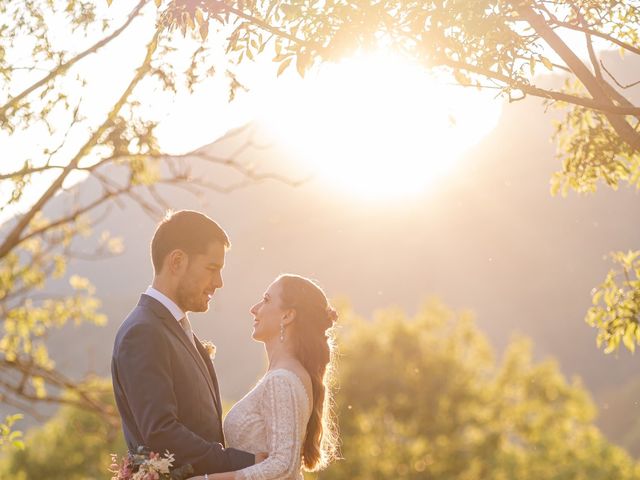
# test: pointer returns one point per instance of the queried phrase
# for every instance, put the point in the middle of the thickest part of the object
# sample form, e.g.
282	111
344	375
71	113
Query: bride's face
268	314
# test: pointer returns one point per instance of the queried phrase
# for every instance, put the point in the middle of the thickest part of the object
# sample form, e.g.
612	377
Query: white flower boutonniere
210	348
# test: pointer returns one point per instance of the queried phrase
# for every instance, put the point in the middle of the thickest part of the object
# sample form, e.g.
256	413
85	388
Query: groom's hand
261	457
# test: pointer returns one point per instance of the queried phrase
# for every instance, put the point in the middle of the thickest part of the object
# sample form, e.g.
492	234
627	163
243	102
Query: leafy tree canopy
74	445
424	397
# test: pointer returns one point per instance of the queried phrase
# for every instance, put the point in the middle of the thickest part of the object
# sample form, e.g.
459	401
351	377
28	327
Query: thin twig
624	87
66	66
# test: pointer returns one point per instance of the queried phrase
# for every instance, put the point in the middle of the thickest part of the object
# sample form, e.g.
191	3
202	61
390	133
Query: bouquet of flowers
148	465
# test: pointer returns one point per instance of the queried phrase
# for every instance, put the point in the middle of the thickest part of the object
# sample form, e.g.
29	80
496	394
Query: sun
378	126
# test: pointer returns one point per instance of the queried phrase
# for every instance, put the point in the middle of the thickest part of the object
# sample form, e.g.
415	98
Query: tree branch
66	66
592	53
264	25
539	24
543	93
29	170
595	33
55	378
615	80
13	238
22	407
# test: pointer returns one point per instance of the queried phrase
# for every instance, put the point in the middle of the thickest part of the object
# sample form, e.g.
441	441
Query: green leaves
546	62
430	387
10	438
303	62
30	314
616	304
283	65
591	152
83	438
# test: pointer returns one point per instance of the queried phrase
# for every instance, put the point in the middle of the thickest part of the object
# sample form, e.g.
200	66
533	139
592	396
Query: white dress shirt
175	310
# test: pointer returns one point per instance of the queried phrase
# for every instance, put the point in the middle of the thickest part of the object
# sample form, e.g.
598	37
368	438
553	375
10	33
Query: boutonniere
210	348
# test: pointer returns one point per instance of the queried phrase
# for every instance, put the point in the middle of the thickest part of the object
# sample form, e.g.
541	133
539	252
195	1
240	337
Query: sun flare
377	126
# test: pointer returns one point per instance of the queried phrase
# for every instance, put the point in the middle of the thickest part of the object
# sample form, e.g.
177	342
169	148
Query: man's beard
190	301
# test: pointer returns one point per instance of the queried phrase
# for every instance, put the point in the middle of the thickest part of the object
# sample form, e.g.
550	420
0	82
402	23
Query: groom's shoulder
142	319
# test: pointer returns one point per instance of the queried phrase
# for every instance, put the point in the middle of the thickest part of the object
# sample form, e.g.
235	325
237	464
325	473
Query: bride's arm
260	457
280	406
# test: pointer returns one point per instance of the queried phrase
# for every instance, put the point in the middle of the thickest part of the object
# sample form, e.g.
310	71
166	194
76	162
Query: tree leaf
461	78
283	66
199	16
629	339
532	65
302	63
204	30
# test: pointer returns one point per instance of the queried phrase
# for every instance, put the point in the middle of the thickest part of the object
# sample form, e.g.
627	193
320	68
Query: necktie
186	326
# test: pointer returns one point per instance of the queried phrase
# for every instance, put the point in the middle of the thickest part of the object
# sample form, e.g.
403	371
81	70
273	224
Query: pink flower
126	471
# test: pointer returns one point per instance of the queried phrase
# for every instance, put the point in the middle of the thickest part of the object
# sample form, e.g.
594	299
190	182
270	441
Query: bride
287	414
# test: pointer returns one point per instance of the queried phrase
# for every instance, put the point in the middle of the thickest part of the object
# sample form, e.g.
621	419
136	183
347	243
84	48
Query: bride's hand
217	476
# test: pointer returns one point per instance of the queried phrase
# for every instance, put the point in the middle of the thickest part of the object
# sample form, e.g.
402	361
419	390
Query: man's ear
176	260
289	316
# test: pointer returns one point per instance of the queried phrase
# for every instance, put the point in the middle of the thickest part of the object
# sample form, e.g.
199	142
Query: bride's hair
314	347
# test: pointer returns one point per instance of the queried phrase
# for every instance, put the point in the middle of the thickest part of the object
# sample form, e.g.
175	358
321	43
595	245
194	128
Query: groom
163	379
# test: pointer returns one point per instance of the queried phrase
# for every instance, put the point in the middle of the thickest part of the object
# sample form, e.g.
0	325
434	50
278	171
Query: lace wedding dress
271	418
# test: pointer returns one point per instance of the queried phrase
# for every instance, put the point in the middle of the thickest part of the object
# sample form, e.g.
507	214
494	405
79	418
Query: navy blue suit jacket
167	392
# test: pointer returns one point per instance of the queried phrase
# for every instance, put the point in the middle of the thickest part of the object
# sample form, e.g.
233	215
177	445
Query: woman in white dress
288	414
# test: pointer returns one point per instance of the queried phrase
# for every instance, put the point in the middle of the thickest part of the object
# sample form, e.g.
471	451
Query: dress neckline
298	379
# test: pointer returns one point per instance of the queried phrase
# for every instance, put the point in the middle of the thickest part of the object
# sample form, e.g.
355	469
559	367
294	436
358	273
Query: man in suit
164	382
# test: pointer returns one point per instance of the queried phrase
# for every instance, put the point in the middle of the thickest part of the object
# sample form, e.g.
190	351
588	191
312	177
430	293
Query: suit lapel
174	327
212	375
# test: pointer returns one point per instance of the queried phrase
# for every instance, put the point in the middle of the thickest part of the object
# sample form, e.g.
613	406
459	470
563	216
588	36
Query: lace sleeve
284	409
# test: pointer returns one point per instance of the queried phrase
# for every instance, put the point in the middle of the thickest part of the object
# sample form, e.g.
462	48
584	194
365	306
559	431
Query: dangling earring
282	332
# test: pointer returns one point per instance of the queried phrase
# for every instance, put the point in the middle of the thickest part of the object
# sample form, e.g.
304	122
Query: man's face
201	277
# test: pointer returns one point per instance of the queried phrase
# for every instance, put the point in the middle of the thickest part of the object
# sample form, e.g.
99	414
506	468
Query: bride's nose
253	309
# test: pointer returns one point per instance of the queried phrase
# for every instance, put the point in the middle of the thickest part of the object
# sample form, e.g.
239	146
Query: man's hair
187	230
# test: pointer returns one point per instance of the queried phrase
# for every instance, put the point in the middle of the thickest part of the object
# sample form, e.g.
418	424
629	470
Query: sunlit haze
372	127
377	126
